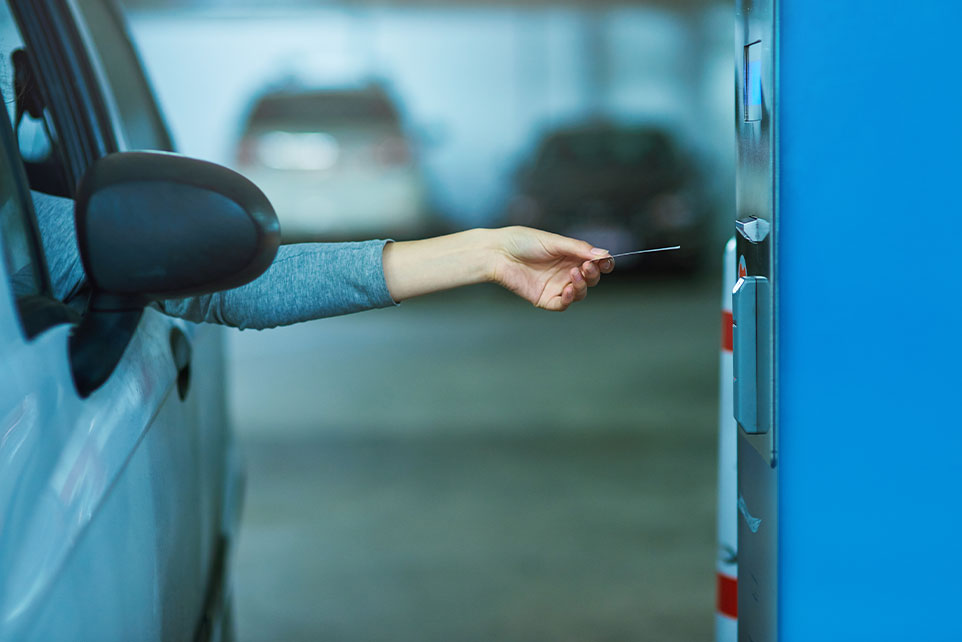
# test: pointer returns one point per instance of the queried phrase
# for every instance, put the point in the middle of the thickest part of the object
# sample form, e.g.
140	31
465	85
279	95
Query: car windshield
143	126
604	149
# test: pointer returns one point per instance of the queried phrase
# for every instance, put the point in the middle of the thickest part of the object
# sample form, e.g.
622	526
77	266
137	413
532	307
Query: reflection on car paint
95	445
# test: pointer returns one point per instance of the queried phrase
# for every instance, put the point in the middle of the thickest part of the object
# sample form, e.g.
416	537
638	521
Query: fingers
580	278
592	272
561	302
576	289
568	296
579	284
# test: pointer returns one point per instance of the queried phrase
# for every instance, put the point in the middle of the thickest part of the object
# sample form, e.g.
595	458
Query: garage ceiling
306	4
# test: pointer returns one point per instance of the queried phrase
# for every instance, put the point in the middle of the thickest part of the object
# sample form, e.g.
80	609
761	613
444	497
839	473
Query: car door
112	506
213	456
62	458
210	454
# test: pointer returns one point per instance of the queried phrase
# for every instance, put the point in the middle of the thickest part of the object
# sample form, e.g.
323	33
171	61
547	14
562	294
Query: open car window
33	126
20	246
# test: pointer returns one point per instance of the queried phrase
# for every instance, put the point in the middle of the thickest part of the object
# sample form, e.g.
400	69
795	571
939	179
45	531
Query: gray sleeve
306	281
59	240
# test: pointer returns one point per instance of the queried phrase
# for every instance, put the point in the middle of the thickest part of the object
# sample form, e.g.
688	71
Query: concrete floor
466	467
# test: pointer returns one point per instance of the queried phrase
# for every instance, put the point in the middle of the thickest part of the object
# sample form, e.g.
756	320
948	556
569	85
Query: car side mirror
155	225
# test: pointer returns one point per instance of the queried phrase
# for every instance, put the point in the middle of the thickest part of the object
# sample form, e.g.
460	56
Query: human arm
547	270
314	280
305	281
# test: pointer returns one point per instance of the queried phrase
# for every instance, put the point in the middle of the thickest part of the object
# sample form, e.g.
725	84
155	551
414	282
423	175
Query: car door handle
181	351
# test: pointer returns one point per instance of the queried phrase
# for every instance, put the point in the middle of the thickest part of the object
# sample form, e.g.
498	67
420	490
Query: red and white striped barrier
726	565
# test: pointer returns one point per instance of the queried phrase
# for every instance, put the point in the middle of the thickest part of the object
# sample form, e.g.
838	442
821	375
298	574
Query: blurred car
120	482
622	188
336	164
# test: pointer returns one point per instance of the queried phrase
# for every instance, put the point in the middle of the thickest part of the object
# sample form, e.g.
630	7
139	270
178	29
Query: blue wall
870	331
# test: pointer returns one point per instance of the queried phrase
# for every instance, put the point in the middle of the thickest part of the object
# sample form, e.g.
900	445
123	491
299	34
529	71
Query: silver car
120	483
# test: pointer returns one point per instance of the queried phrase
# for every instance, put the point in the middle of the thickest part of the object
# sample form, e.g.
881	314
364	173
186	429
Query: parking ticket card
656	249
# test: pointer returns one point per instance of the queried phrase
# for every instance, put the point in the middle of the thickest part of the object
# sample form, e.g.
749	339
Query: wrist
413	268
491	254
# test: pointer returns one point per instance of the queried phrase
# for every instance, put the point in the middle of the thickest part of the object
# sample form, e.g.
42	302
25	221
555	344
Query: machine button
751	354
753	228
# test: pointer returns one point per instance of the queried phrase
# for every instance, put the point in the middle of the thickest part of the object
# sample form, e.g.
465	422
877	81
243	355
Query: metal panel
849	522
757	229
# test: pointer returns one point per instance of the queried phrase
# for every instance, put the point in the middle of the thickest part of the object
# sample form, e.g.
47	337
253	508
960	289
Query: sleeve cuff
381	296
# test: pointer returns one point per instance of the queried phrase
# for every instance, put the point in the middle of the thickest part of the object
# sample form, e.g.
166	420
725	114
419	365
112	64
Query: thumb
574	247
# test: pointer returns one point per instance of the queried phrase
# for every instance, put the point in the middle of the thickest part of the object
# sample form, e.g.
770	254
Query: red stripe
727	595
726	330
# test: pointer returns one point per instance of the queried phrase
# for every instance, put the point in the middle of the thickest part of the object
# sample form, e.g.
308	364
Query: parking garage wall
477	85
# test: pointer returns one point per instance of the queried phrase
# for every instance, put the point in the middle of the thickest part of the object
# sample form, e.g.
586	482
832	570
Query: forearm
414	268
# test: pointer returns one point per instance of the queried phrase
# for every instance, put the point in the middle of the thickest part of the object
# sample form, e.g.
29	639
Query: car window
141	121
34	129
19	242
607	148
324	109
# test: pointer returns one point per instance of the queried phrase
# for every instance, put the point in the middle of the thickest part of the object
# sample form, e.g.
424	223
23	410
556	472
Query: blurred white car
336	164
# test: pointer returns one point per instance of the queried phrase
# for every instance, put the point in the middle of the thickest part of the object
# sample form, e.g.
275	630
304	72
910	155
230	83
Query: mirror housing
155	225
152	226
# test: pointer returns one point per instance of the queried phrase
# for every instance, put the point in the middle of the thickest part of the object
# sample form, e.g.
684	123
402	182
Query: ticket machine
848	320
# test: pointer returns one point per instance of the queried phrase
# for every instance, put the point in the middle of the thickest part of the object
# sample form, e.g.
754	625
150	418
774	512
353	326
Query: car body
621	187
117	508
336	163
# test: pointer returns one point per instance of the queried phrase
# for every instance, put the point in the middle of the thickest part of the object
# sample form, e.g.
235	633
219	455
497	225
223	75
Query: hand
549	270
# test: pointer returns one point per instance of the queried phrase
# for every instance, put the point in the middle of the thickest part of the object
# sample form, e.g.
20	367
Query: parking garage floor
465	467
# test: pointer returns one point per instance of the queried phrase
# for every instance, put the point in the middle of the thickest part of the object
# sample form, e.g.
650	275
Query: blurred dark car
336	164
619	187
